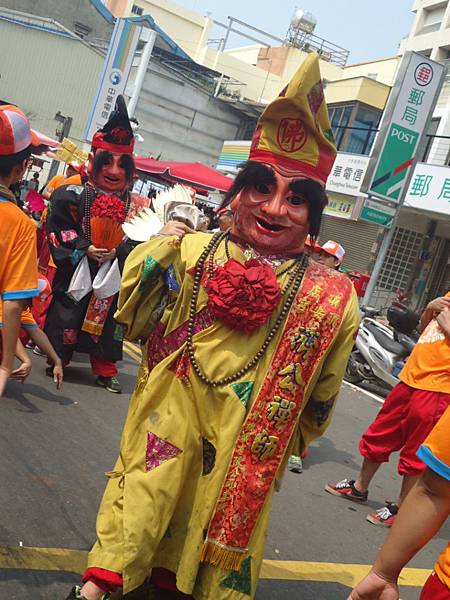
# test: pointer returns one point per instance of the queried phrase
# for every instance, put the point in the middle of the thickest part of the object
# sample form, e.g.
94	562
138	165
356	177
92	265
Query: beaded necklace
294	283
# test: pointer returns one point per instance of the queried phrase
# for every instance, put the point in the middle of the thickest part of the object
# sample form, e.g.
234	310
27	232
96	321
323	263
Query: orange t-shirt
72	180
54	182
435	453
428	367
18	260
27	320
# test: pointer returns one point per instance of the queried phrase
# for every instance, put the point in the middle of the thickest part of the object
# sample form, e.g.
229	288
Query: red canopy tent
194	174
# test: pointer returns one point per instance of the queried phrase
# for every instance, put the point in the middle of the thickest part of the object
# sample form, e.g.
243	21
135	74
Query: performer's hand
58	374
96	253
374	587
111	255
439	304
175	228
22	372
443	318
4	376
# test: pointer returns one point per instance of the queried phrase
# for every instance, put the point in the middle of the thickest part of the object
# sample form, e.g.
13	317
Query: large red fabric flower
243	296
108	206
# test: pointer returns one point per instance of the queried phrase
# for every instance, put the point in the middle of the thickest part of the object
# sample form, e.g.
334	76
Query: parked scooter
381	350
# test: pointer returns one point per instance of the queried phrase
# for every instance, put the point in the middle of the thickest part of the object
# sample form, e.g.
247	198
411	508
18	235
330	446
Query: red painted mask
111	176
272	214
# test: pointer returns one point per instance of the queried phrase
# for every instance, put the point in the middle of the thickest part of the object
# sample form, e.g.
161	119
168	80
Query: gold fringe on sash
92	328
224	558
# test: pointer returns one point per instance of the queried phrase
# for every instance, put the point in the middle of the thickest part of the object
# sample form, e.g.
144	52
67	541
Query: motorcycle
381	350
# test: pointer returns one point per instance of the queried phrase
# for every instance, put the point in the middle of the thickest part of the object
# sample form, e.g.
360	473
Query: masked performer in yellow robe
244	348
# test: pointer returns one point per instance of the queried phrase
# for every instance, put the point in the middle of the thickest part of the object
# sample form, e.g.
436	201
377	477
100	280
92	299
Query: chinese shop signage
405	118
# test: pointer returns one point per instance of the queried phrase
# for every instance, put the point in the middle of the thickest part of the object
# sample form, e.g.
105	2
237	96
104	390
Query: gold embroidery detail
319	313
333	319
315	292
335	300
280	411
293	375
264	445
303	304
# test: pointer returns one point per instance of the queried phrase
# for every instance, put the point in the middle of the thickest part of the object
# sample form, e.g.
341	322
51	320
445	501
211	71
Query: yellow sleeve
319	407
151	270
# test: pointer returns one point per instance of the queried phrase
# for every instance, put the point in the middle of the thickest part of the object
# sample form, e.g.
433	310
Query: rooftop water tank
303	21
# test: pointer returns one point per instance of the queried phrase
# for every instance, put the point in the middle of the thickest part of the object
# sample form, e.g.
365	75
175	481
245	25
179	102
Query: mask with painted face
110	172
274	213
278	197
111	164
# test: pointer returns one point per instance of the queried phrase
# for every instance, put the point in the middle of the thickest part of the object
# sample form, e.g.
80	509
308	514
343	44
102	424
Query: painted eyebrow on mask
262	174
299	186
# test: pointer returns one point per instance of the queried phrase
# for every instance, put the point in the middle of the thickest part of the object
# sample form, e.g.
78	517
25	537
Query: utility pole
62	131
149	36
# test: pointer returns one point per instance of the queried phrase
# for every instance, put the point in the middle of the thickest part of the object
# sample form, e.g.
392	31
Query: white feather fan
148	222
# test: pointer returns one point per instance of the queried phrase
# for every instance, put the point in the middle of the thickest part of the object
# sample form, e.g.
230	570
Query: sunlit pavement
55	448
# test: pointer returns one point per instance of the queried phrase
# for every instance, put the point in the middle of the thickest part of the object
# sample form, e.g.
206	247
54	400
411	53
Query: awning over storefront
194	174
47	145
45	140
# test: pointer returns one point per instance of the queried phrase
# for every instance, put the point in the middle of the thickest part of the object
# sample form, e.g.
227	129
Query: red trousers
109	581
405	420
434	589
100	366
103	367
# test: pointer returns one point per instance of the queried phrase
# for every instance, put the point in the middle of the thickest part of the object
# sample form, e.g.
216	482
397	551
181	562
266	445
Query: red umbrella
195	174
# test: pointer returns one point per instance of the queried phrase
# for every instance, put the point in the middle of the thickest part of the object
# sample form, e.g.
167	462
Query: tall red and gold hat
294	132
116	135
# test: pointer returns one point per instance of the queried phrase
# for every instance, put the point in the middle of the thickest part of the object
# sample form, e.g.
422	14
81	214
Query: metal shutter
356	237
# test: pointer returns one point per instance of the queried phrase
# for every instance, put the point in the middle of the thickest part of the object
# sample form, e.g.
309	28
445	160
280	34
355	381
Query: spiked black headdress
116	135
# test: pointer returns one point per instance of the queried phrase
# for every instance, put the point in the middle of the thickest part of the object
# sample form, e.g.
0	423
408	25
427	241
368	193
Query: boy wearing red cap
331	254
18	269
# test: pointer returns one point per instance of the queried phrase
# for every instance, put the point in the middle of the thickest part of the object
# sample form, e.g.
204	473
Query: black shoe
112	384
75	594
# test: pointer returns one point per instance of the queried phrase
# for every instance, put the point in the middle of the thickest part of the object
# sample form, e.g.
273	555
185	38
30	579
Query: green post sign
393	165
409	108
377	213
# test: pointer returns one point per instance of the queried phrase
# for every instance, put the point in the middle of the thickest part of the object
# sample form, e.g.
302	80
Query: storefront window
340	117
364	128
354	133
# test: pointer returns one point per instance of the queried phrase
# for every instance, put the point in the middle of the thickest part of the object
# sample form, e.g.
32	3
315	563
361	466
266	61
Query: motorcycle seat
385	341
406	341
370	312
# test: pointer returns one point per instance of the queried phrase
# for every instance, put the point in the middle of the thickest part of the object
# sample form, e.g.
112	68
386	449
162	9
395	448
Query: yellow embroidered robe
180	433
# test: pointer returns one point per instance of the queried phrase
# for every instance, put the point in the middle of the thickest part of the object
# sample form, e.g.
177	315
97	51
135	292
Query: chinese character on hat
294	132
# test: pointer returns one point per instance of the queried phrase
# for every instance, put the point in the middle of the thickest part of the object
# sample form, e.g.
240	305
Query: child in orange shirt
30	329
420	517
408	414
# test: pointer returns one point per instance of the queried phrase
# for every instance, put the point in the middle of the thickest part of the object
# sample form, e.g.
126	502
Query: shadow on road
324	451
19	393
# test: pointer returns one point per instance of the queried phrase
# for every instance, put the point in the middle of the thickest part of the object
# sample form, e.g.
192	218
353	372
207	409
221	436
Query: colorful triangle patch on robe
241	581
243	391
158	451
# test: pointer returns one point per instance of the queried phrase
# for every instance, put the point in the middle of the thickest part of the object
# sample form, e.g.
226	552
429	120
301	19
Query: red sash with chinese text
312	325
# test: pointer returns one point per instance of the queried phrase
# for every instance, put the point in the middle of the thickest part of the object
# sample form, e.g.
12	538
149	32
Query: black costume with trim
68	246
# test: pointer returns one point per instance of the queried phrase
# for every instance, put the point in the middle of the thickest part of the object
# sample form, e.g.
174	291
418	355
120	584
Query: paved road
55	447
